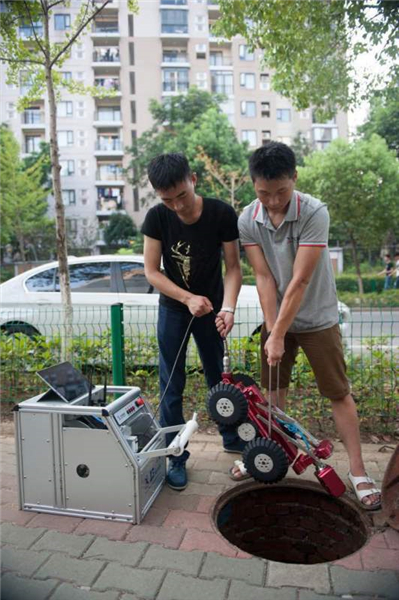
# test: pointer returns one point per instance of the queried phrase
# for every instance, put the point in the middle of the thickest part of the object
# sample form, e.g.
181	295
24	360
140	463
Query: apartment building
160	52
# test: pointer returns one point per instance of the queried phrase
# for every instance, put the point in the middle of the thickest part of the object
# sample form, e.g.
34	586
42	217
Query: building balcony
32	119
227	90
107	119
105	32
111	6
111	84
175	87
26	33
109	179
108	148
177	35
109	206
106	59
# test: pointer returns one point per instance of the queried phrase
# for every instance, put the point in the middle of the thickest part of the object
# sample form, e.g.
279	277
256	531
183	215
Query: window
222	82
65	109
199	23
88	277
266	136
201	80
249	135
80	76
134	279
323	136
83	168
109	113
65	138
25	82
175	80
228	108
10	110
82	139
109	171
81	112
84	196
32	143
175	2
304	114
66	75
200	50
247	80
245	53
174	56
42	282
79	51
72	230
174	21
132	80
67	167
62	22
265	109
131	25
132	111
284	139
264	82
284	115
68	197
131	53
248	109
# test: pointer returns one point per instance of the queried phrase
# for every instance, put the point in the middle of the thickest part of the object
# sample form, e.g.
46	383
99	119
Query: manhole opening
297	525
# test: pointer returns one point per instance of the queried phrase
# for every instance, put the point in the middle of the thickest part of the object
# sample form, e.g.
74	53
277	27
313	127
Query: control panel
126	412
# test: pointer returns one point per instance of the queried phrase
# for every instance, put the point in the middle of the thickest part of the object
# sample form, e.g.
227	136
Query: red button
139	402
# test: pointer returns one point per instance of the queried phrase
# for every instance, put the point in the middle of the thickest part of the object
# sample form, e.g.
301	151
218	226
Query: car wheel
227	404
21	328
247	431
265	460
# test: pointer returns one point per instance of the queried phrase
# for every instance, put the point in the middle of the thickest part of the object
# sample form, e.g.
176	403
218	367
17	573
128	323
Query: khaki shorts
325	354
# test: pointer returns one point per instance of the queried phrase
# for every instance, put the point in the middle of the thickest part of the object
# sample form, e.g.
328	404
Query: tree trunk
62	248
357	264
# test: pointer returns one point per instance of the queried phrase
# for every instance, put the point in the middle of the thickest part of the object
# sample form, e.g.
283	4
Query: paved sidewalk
176	553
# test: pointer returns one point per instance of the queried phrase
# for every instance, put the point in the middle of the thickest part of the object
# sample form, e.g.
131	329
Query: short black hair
167	170
274	160
387	256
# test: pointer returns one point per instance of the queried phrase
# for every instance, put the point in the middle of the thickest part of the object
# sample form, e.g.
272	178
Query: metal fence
31	339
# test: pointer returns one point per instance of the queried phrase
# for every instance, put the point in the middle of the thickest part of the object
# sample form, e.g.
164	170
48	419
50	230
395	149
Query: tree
23	198
38	60
309	46
302	148
195	125
119	230
383	118
359	183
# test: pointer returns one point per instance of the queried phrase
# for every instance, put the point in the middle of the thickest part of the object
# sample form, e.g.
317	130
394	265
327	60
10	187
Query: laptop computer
67	382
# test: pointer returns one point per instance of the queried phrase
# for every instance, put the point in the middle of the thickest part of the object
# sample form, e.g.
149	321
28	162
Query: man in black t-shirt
188	233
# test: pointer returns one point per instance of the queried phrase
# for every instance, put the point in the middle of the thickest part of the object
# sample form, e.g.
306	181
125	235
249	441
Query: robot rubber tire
265	460
227	405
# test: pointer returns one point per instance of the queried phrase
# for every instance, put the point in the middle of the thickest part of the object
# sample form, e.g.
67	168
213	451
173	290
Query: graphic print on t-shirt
181	256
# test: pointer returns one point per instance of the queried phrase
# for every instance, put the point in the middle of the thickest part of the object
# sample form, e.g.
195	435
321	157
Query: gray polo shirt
306	224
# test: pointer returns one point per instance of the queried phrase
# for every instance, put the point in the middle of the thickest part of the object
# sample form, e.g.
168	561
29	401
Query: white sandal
360	494
242	472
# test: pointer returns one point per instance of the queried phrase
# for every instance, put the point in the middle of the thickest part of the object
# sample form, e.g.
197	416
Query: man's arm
305	263
232	285
197	305
265	284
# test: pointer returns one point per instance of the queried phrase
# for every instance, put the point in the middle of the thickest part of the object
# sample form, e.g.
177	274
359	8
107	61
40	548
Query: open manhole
290	523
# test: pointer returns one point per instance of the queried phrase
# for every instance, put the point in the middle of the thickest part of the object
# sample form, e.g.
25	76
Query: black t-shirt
192	253
389	267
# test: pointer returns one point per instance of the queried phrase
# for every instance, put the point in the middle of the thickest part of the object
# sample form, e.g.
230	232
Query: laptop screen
66	381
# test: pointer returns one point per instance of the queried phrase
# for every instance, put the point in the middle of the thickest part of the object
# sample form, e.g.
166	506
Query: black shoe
236	447
177	476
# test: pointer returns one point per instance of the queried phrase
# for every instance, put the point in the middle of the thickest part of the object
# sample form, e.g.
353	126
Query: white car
31	302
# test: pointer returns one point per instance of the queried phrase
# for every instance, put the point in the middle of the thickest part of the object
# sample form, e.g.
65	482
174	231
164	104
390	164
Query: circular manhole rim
248	486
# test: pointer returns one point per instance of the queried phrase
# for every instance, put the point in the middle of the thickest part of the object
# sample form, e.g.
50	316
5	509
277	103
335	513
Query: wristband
228	309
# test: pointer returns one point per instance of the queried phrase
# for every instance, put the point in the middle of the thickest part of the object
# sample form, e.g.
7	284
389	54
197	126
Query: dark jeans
172	326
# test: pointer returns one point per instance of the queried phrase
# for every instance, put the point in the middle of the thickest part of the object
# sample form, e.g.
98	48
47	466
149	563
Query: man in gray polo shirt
285	236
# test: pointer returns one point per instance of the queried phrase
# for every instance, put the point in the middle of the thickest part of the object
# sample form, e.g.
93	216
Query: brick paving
176	554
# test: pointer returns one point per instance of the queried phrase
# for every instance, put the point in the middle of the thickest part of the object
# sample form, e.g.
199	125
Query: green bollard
118	345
